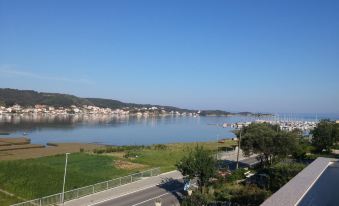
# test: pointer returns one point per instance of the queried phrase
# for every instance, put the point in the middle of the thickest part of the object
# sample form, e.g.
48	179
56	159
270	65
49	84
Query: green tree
268	141
284	144
279	174
325	135
198	163
196	199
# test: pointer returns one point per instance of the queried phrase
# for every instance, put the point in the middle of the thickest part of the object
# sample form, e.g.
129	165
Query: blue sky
260	56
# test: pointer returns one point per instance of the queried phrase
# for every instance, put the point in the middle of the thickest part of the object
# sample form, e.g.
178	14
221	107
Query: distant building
337	121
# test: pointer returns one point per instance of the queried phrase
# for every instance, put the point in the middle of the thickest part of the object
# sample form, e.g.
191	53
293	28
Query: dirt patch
20	147
4	144
15	140
121	164
59	148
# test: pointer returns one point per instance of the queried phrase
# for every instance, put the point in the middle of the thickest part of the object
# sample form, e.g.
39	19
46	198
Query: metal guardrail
88	190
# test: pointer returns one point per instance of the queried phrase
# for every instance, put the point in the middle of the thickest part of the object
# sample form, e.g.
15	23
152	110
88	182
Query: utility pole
237	166
63	186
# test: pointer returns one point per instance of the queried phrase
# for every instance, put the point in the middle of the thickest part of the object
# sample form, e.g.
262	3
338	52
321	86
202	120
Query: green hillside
9	97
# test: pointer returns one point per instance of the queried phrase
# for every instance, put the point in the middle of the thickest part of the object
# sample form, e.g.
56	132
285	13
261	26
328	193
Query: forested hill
9	97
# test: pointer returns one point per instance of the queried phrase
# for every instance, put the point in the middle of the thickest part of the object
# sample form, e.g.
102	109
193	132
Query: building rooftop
317	184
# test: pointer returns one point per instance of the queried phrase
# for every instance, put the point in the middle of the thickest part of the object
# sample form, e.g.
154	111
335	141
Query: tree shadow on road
174	187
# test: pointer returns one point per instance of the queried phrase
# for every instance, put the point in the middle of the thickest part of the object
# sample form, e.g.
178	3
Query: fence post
40	201
93	189
77	193
131	178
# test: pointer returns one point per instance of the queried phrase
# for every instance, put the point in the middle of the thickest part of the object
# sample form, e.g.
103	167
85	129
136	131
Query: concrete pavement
125	190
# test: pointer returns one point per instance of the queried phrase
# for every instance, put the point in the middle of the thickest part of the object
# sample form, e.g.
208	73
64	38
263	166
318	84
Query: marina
305	126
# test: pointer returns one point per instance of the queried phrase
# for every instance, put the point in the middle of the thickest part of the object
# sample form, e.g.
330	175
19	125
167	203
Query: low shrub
195	199
131	154
249	195
237	194
281	173
236	175
110	149
160	147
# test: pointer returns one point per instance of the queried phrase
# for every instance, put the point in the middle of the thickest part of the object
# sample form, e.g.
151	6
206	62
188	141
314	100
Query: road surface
162	184
169	193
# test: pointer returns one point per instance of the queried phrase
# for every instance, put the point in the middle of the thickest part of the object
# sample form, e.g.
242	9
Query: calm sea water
128	130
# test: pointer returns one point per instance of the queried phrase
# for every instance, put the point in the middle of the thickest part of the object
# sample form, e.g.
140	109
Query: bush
160	147
131	154
336	147
249	195
237	194
281	173
110	149
195	199
236	175
99	151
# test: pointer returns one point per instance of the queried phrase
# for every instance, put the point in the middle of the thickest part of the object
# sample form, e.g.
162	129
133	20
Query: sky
258	56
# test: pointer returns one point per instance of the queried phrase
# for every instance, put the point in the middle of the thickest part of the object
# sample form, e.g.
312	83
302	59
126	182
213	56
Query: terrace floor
325	191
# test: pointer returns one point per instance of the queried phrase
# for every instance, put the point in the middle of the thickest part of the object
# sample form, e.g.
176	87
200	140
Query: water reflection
12	122
31	122
118	130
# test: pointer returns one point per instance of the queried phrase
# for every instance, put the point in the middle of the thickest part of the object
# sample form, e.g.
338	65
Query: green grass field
7	200
43	176
167	158
34	178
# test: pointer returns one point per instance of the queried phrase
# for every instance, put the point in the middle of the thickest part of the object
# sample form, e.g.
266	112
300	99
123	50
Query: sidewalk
124	189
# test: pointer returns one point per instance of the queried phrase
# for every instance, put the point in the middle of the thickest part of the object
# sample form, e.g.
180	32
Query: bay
128	130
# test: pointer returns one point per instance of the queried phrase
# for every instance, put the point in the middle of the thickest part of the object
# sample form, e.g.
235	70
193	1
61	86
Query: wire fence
87	190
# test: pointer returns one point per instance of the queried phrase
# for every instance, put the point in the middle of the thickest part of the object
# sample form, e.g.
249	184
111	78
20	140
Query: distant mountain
9	97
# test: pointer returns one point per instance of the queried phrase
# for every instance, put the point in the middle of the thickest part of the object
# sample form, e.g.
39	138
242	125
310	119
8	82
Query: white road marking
128	193
156	197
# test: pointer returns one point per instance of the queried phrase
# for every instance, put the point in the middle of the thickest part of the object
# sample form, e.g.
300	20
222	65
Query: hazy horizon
256	56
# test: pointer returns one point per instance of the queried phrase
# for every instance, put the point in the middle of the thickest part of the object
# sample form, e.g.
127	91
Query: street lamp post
217	145
63	186
238	150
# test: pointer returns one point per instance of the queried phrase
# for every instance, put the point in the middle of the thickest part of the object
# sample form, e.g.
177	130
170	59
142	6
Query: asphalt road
231	165
169	193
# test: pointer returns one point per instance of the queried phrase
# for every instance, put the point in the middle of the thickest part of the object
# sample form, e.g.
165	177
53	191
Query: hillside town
89	109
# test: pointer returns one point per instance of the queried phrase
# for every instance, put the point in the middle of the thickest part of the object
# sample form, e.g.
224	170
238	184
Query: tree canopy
198	163
268	141
325	135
